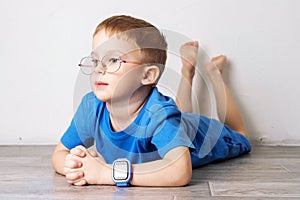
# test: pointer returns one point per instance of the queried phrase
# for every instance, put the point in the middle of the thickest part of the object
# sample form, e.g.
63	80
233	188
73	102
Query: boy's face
122	84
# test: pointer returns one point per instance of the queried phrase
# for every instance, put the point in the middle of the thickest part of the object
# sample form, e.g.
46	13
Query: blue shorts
215	141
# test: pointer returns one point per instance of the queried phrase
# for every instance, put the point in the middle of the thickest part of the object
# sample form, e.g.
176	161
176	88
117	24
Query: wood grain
266	173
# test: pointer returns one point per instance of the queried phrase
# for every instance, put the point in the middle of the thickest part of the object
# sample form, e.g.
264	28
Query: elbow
182	170
182	174
188	177
184	178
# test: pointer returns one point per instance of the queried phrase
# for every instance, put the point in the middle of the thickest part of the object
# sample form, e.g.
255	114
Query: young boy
141	136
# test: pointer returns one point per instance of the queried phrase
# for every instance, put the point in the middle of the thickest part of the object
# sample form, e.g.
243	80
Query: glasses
108	64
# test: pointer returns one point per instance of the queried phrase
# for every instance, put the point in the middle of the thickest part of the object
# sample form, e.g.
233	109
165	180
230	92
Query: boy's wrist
106	176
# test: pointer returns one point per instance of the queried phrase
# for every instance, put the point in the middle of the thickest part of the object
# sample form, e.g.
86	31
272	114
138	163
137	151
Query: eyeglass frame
100	61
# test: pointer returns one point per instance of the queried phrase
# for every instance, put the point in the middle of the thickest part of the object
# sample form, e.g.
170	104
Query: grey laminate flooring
265	173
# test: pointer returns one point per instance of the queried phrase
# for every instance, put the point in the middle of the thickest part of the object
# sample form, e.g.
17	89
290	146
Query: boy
126	117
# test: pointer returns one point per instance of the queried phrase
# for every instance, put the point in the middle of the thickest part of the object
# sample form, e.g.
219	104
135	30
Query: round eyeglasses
108	64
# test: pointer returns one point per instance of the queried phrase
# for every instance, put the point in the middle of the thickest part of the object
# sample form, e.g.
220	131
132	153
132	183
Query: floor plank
266	173
255	189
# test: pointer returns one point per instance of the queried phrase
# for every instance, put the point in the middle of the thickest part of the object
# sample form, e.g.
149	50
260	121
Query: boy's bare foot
188	53
216	65
219	62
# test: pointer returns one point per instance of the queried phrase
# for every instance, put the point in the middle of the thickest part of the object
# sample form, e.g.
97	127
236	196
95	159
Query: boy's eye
111	62
114	60
95	62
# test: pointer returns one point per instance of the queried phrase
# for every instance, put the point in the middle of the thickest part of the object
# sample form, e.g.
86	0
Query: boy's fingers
74	176
80	183
79	151
68	170
94	154
72	164
73	161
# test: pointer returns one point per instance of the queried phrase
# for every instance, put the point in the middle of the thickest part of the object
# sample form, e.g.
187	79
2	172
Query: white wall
41	43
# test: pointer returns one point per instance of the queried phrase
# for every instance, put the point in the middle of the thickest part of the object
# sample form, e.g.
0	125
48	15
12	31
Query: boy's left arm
175	169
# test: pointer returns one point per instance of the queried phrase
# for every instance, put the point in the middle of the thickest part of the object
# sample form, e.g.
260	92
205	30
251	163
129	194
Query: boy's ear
151	74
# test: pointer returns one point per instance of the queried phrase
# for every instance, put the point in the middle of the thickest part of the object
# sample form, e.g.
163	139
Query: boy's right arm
58	158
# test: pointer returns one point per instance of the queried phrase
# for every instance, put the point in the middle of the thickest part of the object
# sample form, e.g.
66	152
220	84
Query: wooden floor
266	173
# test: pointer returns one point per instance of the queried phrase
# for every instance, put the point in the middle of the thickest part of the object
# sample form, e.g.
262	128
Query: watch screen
120	171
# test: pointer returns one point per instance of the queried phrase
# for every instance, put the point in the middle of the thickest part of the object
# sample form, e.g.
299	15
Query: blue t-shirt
155	131
158	128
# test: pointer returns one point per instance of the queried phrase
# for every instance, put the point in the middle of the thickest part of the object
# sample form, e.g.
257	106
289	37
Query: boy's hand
83	167
73	167
188	52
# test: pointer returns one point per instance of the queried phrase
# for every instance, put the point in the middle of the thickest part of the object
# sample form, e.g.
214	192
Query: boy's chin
102	97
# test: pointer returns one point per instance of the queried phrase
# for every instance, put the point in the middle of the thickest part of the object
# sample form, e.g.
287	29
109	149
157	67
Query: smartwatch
121	172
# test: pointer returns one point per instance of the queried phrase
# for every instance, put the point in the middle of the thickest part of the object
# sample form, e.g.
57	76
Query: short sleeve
71	139
168	130
81	129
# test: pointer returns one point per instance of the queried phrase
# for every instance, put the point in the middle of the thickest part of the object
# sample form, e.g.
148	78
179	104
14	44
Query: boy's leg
184	94
226	107
188	52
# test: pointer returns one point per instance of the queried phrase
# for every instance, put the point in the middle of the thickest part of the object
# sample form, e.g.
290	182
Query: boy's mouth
99	83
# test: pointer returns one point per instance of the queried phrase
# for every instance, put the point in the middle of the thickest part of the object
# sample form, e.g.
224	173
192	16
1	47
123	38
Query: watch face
121	170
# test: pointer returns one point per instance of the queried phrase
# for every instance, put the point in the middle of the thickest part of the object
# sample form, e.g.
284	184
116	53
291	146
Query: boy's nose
100	69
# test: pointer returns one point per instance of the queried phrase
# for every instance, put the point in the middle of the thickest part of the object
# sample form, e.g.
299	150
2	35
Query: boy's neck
124	112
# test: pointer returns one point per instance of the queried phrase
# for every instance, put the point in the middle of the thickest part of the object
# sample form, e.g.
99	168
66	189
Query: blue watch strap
122	184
